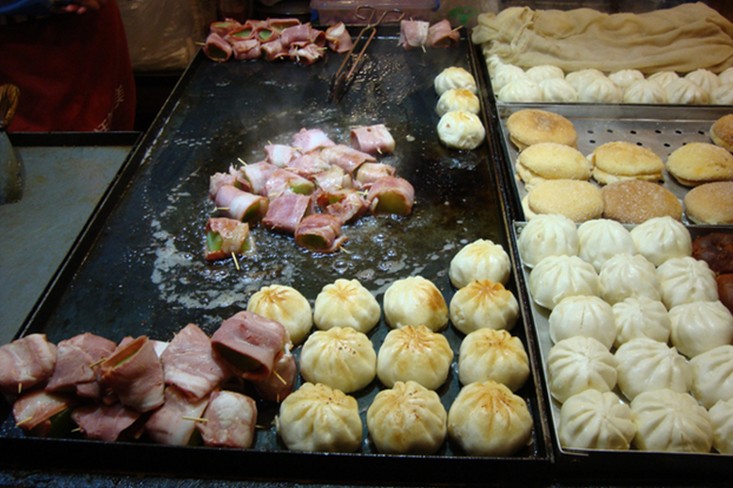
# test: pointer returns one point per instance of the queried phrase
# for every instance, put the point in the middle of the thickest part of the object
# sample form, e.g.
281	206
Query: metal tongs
351	64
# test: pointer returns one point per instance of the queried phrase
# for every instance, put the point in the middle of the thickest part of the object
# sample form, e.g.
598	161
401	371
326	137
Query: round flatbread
621	160
636	201
531	126
577	200
552	161
721	132
700	162
711	203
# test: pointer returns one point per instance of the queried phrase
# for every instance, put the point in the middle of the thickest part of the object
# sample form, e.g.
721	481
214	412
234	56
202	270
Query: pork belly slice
189	363
368	173
35	411
135	374
77	363
373	139
307	55
246	49
346	157
106	422
309	164
175	422
224	27
26	362
283	180
285	212
224	237
216	48
345	205
391	194
280	23
274	50
442	34
280	383
413	33
230	420
255	175
338	38
333	179
320	232
307	140
280	154
300	34
250	344
240	205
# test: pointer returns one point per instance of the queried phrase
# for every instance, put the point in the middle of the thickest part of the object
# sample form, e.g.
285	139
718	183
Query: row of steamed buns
548	83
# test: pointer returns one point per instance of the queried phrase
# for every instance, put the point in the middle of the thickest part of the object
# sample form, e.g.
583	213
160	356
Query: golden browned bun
716	249
577	200
710	203
530	126
700	162
620	160
552	161
721	132
636	201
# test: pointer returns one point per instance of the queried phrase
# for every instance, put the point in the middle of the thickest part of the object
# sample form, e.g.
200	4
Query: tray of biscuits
634	327
629	163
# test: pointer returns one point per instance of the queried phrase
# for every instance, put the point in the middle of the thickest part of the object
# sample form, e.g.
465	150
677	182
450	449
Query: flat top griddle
139	269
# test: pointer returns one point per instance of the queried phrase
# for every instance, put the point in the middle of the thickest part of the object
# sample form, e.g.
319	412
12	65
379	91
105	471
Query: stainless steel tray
599	462
661	128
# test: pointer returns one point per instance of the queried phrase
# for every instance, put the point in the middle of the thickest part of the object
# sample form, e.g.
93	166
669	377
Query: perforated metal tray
661	129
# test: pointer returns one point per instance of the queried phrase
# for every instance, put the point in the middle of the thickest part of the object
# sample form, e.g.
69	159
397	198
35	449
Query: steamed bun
483	304
318	418
487	419
671	421
580	363
286	305
481	259
646	365
415	301
459	129
454	77
414	353
407	419
340	357
593	419
346	303
488	354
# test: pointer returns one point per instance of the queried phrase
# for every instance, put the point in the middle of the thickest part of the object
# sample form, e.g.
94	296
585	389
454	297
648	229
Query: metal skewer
351	64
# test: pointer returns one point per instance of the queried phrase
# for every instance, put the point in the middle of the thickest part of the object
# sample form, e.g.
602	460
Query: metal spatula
11	169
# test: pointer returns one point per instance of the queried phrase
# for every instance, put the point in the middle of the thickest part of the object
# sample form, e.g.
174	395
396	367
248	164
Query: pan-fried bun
621	160
721	132
636	201
700	162
530	126
710	203
552	161
577	200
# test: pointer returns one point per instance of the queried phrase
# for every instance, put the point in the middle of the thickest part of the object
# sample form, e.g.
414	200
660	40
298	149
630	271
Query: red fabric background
73	72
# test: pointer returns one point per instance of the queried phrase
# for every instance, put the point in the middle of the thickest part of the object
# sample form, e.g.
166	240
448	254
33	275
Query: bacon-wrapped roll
26	362
230	419
175	422
372	139
216	48
250	344
135	374
338	38
106	422
239	204
442	34
190	364
391	194
77	362
285	212
319	232
38	412
224	237
413	33
280	383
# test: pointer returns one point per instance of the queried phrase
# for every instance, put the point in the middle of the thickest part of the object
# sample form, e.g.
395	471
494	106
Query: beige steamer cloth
681	39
